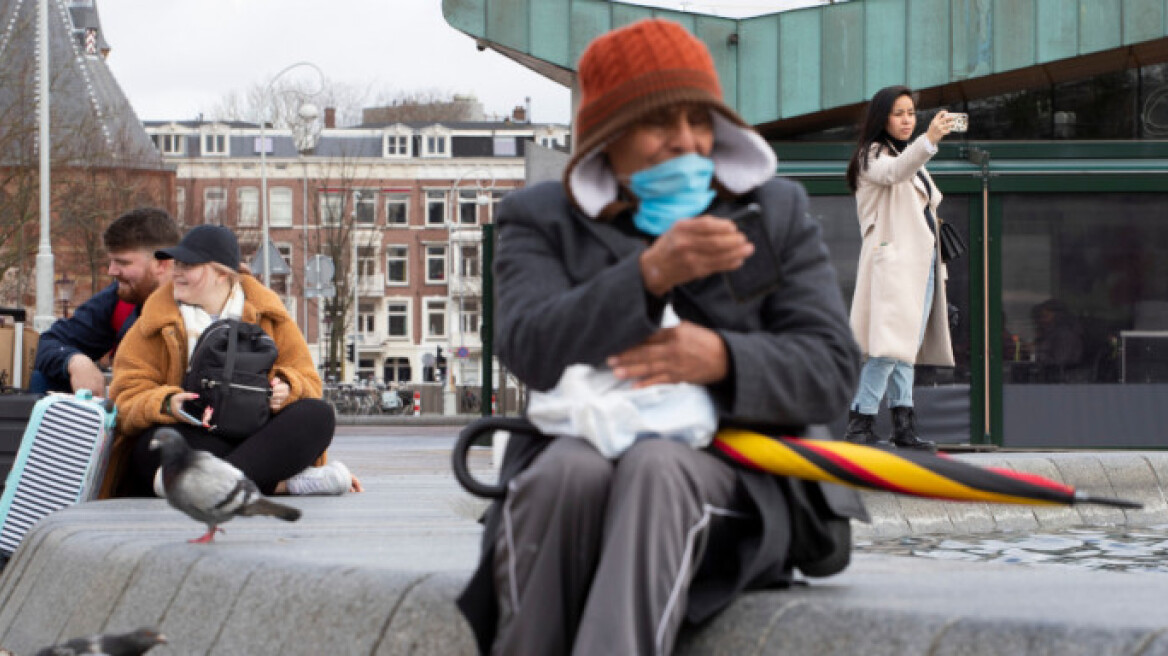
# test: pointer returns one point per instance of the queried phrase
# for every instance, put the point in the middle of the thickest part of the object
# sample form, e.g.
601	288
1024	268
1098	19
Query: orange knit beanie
631	71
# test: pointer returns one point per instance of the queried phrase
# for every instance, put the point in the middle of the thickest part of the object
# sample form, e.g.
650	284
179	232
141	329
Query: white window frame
280	208
470	266
366	262
171	144
468	200
180	205
436	252
365	203
436	142
214	209
248	201
391	312
470	316
327	200
435	198
397	253
393	200
367	318
435	306
215	142
397	143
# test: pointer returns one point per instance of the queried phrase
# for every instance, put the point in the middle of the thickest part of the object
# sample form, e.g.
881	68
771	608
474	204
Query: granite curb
406	548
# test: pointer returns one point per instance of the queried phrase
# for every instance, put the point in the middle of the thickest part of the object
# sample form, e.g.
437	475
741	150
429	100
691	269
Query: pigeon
133	643
208	489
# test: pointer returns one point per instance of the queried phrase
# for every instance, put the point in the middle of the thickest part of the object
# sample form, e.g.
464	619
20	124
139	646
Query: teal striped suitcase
61	462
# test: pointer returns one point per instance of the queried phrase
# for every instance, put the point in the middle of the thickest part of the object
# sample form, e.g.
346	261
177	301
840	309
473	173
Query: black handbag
952	245
229	370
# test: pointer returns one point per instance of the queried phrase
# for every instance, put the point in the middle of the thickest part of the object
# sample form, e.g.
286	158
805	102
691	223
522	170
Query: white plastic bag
593	404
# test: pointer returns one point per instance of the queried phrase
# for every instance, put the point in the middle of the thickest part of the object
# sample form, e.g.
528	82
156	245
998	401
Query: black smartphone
760	273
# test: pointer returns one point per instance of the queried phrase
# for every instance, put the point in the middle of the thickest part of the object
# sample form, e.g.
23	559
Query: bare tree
280	110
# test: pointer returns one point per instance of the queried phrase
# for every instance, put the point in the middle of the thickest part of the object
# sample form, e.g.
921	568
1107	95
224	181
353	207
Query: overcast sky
177	58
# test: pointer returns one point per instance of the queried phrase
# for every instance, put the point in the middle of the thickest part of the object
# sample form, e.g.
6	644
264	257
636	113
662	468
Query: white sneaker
159	491
331	479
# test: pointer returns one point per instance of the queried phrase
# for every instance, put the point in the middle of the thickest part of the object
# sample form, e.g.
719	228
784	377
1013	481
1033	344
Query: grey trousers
595	556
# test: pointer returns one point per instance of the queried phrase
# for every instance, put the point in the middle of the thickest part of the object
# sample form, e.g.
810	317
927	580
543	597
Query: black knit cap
202	244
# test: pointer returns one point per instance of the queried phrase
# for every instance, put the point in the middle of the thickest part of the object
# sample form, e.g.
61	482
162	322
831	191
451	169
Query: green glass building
1061	183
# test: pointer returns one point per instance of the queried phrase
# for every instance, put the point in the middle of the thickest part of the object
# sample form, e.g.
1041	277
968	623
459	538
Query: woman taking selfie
899	307
156	353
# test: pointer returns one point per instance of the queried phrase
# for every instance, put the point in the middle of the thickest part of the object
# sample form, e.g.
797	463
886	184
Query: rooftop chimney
330	117
519	114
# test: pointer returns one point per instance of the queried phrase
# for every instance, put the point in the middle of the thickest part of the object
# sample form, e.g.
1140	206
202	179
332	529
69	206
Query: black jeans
291	440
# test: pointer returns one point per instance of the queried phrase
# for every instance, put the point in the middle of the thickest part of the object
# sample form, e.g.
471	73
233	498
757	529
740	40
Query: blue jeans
887	374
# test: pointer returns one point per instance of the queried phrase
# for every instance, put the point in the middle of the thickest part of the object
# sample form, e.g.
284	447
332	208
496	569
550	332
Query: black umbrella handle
1082	497
462	472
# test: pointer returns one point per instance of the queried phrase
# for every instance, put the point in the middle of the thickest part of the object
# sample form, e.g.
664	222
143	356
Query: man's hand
686	353
84	374
692	249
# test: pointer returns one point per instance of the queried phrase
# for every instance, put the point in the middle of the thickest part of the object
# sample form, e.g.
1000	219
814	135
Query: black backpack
230	369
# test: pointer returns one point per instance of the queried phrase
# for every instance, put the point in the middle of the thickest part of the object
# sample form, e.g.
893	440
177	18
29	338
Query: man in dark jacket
621	268
68	350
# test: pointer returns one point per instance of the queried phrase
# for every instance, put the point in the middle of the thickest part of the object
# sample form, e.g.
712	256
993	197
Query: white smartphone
960	121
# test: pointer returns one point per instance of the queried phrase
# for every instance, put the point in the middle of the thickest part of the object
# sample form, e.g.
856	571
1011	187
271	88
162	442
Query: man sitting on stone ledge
619	269
67	352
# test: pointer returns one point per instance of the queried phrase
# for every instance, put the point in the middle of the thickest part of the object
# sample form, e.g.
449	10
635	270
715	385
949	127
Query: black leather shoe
861	431
904	431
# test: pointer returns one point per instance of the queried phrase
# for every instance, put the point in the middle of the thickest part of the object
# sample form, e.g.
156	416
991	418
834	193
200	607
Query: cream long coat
894	261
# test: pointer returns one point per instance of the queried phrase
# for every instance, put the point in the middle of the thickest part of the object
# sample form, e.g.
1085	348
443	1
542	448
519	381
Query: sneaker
331	479
159	491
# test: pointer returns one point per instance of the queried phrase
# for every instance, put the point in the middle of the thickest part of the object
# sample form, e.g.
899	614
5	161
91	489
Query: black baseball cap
202	244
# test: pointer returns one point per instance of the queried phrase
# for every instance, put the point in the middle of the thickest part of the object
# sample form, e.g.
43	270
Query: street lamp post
307	109
484	183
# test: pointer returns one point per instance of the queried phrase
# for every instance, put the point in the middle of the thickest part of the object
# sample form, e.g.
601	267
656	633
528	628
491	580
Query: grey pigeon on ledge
208	489
133	643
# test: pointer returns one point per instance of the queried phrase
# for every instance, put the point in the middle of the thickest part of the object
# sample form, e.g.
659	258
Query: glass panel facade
1084	288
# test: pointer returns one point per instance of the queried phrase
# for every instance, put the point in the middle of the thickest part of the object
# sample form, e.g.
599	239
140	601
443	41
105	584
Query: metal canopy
808	68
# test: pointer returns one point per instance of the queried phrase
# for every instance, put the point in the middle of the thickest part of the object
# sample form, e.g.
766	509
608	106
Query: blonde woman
286	455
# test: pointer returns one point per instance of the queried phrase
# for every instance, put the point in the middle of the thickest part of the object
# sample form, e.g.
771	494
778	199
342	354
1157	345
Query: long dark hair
872	128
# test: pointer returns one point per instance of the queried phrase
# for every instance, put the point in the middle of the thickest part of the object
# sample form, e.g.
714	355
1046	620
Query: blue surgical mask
673	190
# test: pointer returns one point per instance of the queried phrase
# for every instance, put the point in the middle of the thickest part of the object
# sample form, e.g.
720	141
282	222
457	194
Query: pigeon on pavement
133	643
208	489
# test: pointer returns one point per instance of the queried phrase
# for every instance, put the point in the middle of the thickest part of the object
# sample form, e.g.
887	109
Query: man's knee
573	467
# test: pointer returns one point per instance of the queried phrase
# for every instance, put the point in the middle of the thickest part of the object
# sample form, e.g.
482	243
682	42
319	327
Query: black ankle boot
860	430
904	430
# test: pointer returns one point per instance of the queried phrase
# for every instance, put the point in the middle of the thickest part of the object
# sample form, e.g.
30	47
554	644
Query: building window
435	208
365	206
397	210
468	209
280	207
435	317
397	265
397	370
505	147
366	262
332	207
170	144
214	205
435	145
248	199
281	283
469	311
493	208
469	265
397	145
215	144
365	319
397	319
180	205
436	264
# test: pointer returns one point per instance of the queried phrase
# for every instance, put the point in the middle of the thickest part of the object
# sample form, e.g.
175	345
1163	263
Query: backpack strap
232	347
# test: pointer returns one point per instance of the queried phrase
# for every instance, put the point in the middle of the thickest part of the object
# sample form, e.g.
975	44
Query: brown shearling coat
152	359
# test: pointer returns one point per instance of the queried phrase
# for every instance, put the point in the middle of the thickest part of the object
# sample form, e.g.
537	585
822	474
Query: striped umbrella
916	473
